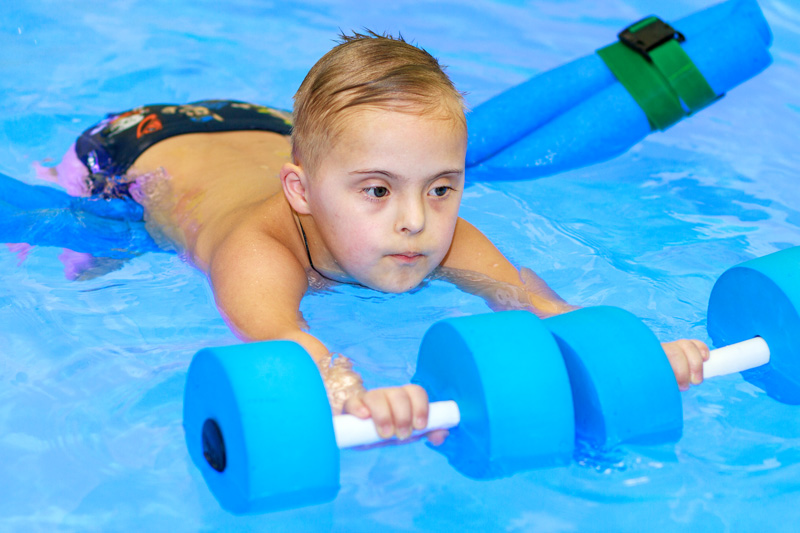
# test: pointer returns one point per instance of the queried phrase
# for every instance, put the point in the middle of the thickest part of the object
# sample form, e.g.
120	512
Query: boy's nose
410	217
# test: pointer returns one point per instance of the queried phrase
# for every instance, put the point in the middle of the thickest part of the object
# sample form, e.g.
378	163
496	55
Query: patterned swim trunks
109	148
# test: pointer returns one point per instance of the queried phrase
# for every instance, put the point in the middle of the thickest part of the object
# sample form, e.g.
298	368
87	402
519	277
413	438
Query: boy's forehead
364	124
373	133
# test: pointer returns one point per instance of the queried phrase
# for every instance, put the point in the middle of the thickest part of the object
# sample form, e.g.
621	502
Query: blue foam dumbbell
259	427
624	389
758	303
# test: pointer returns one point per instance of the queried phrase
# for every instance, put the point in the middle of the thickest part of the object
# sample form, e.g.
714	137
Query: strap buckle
648	34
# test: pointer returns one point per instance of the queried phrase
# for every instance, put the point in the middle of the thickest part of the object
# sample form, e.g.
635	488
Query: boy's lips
407	257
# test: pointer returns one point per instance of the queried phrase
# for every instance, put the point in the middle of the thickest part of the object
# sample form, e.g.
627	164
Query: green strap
645	84
659	86
683	75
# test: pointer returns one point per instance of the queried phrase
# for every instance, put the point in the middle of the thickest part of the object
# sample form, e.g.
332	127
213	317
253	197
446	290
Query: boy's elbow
285	332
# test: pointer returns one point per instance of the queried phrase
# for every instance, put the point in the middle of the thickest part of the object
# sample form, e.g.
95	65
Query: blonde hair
368	71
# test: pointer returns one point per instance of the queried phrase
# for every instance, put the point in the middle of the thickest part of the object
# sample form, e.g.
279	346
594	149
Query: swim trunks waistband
109	148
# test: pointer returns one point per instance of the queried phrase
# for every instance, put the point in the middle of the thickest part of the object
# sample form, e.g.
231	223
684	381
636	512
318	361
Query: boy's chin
395	286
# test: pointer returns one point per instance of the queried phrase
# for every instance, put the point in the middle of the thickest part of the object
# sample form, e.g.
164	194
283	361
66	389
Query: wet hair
368	71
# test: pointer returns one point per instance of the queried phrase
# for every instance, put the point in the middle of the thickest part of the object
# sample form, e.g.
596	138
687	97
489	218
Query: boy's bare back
201	184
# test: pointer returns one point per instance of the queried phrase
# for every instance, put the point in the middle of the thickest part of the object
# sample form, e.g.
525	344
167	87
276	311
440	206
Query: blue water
91	372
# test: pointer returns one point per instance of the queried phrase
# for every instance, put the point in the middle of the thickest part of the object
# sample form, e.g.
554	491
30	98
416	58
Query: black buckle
649	37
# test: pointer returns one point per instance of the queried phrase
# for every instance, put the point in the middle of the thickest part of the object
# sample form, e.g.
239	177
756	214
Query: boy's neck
304	237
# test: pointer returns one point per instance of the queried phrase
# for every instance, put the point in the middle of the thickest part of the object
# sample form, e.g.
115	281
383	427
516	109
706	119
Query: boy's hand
395	411
686	357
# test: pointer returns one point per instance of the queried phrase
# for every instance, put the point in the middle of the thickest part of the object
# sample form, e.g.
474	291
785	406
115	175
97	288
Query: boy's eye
376	192
440	191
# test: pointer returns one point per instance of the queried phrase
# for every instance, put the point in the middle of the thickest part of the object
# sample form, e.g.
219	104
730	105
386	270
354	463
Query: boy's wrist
341	381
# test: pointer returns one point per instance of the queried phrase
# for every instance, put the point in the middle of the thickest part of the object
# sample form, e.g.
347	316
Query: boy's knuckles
705	352
356	406
418	396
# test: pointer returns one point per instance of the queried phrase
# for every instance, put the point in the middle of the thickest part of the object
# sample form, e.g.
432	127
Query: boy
366	192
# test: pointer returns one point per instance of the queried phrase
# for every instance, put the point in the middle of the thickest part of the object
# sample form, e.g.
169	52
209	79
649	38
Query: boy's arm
258	284
476	266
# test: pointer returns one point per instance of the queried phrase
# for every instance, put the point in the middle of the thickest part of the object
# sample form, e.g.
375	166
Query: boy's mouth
407	257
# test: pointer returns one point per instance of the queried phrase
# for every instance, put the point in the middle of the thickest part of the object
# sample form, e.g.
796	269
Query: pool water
92	372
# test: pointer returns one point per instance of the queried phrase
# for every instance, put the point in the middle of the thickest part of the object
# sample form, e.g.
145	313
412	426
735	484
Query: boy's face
385	198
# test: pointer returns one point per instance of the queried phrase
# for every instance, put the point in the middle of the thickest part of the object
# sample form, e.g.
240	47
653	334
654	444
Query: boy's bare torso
207	184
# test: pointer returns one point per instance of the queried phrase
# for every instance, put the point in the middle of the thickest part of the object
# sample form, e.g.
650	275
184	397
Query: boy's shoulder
264	236
256	274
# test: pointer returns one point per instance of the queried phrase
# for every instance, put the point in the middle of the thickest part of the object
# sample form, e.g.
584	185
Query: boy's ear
295	187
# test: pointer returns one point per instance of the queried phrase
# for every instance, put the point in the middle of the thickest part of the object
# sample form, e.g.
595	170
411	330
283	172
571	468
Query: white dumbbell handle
737	358
351	431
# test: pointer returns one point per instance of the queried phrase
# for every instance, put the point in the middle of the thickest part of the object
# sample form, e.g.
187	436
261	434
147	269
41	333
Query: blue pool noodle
579	114
44	216
31	197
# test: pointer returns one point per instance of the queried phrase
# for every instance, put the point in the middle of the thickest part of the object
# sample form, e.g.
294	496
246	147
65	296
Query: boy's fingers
400	404
437	437
419	405
695	358
381	412
704	349
679	364
356	407
686	358
395	410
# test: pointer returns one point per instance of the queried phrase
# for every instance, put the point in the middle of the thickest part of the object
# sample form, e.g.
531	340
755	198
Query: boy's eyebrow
394	176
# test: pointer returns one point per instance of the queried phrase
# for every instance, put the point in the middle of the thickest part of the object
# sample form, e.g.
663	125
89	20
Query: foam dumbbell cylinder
241	405
622	384
507	375
761	298
267	403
